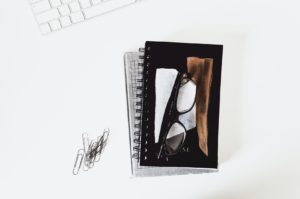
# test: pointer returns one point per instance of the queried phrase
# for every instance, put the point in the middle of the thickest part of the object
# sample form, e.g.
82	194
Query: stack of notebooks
173	95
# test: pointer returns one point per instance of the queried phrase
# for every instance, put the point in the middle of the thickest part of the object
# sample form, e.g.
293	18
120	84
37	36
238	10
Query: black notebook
173	94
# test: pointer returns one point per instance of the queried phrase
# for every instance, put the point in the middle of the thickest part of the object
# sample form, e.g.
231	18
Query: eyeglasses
182	101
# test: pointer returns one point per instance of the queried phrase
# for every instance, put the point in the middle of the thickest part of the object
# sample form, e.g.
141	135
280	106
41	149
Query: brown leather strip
200	70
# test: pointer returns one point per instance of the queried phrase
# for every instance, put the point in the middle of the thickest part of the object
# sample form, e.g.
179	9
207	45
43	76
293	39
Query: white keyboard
52	15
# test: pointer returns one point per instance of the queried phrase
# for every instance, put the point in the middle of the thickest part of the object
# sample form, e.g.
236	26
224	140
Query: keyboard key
47	16
45	28
41	6
64	10
74	6
85	3
105	7
77	17
65	21
55	25
55	3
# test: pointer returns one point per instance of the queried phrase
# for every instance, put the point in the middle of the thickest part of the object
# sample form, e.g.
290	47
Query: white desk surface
54	87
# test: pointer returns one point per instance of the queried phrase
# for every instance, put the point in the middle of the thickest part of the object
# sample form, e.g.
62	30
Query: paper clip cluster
91	152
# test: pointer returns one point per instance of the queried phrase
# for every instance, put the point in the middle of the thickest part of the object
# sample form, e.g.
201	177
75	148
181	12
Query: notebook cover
167	55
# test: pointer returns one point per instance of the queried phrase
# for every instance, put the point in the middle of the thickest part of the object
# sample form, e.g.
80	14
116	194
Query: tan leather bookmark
201	73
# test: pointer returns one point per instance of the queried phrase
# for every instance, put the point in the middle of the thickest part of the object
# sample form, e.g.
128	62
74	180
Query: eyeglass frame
173	113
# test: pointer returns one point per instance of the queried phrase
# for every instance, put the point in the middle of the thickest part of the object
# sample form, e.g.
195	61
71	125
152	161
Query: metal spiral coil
139	105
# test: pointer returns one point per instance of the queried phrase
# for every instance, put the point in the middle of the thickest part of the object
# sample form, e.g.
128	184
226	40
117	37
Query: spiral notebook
173	95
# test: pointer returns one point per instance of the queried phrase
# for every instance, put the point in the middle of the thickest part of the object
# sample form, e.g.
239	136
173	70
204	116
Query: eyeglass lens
175	138
186	96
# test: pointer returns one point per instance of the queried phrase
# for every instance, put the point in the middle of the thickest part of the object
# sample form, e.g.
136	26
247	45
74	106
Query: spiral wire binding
138	107
146	64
